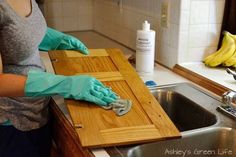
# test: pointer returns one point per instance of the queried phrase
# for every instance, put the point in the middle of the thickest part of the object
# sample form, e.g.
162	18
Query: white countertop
218	74
163	76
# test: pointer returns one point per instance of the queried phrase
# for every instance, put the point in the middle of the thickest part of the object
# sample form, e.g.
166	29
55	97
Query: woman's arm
10	84
0	64
39	83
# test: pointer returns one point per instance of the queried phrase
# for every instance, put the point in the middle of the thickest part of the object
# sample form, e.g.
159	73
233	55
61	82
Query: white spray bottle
145	50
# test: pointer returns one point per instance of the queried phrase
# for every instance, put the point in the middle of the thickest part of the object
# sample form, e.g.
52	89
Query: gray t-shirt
19	40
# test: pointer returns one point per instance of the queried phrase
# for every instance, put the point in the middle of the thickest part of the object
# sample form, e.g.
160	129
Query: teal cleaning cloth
55	40
6	123
120	106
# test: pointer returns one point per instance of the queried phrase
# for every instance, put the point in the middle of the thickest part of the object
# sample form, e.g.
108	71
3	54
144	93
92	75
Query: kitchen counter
217	75
161	76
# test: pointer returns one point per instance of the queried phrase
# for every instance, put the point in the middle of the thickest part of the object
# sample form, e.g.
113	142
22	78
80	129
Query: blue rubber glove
55	40
81	87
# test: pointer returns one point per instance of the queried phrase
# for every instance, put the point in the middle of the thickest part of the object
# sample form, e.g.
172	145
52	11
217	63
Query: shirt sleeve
1	14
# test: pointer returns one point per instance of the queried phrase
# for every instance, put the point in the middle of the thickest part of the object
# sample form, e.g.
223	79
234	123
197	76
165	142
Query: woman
25	87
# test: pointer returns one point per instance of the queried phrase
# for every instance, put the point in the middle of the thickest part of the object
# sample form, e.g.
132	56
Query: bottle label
145	44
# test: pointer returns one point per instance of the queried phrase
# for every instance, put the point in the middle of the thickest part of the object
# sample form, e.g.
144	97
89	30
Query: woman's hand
90	89
80	87
55	40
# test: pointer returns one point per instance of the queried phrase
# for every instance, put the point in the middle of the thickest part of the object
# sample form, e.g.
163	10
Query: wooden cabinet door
96	127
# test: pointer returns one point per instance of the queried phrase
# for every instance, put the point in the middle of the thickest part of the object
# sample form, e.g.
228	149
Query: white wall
69	15
200	28
122	22
193	32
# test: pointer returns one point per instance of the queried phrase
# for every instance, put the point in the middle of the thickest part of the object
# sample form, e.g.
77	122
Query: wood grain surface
96	127
200	80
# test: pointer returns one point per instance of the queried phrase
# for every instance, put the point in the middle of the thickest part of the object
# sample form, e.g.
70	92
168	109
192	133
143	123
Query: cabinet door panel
96	127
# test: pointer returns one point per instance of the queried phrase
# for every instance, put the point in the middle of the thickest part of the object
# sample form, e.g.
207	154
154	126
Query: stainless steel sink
215	142
185	113
205	131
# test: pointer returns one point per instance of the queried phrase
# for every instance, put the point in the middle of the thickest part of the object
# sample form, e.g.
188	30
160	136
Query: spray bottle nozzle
146	26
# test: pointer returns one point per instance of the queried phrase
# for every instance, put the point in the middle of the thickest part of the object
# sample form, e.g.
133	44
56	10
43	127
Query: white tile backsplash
68	15
193	32
174	11
53	9
184	20
190	26
70	24
216	10
70	9
184	5
165	36
214	31
54	0
197	54
163	56
199	12
194	54
183	47
209	51
55	23
198	35
174	36
167	55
